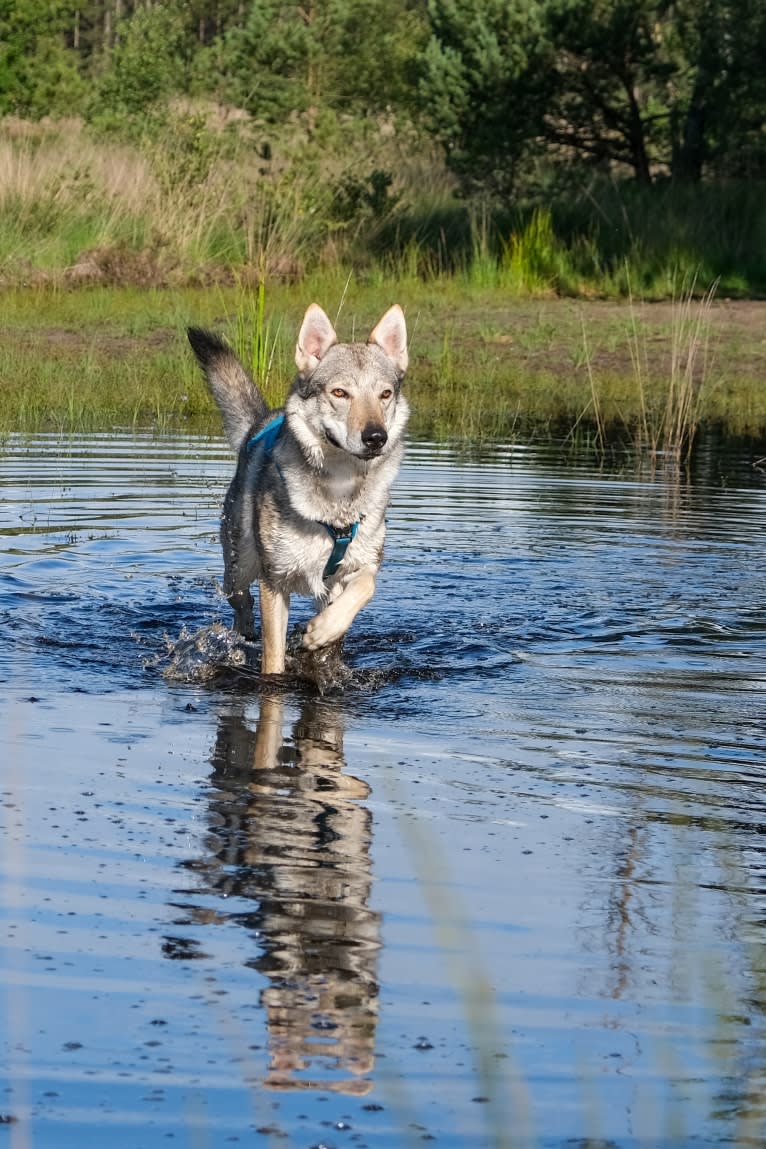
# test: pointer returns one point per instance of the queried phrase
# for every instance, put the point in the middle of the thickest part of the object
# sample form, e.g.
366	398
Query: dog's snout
374	436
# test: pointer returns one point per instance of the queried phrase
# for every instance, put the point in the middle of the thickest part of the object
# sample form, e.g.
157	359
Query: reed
689	370
594	407
257	342
533	260
670	414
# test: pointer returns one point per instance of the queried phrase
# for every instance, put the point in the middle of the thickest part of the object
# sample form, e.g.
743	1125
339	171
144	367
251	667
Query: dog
305	511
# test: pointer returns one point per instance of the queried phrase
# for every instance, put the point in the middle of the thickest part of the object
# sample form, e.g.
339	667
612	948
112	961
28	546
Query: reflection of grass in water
482	367
511	1125
506	1101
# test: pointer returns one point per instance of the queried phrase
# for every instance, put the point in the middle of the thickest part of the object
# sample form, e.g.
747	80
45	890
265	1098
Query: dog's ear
315	338
390	334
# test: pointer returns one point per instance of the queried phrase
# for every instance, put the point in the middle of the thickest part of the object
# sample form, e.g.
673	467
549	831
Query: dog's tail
241	404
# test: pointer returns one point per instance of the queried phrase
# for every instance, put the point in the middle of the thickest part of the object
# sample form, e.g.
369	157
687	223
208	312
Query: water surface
505	887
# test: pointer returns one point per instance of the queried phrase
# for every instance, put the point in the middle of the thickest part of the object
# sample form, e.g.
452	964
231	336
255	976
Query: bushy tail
241	404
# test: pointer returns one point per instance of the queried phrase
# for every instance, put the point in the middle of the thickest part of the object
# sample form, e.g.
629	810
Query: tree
485	84
718	92
346	55
39	74
262	61
372	65
146	64
658	86
610	78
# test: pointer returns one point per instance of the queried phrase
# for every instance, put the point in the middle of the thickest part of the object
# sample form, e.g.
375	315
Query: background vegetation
604	147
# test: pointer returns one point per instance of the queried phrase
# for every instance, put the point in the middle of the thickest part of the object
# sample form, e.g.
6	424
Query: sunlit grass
483	365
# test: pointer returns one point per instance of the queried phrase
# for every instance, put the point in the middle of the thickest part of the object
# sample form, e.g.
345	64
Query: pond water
506	887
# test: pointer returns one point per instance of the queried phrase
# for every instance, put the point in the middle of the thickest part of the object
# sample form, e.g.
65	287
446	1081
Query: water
505	886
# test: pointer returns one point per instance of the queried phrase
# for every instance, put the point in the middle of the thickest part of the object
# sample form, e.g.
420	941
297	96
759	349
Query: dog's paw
325	628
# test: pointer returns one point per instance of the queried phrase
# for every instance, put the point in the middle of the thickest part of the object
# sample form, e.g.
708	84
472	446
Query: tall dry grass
68	202
60	189
198	195
670	413
195	198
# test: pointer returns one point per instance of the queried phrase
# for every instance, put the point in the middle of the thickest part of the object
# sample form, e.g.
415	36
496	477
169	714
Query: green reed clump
533	259
257	342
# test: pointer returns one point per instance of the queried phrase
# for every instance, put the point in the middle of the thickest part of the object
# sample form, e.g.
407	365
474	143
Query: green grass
484	365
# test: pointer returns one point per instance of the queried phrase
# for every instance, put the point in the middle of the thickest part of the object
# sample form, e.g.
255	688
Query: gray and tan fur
334	462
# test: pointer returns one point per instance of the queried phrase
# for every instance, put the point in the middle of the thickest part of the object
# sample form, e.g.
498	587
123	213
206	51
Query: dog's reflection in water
290	831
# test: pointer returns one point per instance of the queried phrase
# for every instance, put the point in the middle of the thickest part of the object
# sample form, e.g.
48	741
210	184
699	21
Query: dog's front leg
333	622
274	610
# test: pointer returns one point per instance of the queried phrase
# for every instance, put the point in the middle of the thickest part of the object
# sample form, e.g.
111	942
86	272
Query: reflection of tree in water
289	832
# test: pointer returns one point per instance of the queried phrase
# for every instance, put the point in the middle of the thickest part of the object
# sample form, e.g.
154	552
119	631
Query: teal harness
341	536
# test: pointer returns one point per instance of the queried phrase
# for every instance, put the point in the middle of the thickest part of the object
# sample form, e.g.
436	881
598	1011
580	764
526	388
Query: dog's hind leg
236	586
333	622
241	602
274	610
239	570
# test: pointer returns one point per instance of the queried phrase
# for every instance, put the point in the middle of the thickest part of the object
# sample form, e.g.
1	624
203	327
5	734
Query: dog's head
348	395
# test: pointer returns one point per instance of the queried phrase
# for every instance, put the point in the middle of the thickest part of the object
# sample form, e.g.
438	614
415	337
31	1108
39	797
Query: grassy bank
522	316
202	199
483	365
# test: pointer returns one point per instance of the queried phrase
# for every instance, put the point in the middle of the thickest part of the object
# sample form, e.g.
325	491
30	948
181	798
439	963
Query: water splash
216	652
205	654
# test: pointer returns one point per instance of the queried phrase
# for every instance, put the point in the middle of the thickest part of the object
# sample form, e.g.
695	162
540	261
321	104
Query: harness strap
341	536
267	435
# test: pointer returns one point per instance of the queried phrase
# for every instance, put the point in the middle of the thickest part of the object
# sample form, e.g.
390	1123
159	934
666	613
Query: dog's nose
374	436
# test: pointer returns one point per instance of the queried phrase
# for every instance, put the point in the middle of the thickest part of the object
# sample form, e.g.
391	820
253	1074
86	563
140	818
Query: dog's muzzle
374	438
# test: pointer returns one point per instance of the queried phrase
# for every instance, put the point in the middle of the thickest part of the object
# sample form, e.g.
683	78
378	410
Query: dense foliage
657	87
662	87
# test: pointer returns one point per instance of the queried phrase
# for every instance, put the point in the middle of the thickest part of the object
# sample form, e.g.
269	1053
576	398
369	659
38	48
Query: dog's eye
339	393
386	394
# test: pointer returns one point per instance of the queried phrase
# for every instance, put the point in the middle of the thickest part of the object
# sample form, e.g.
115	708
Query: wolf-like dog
305	511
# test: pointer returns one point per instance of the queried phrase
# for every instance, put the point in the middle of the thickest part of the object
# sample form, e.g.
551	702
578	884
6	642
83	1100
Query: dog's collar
341	536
